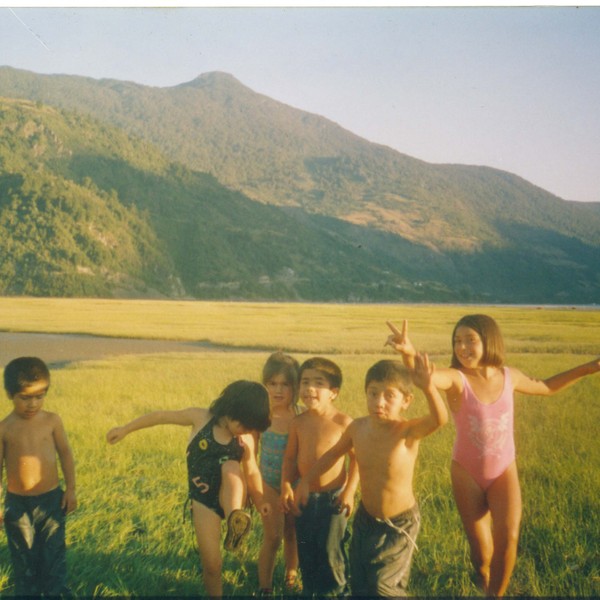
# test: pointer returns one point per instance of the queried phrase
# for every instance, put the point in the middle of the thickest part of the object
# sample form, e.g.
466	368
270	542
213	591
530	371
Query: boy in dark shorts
386	446
323	515
35	506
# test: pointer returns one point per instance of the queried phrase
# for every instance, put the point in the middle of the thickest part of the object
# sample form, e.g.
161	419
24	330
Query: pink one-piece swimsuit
485	444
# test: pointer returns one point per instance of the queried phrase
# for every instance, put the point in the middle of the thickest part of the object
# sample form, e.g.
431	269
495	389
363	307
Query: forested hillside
310	211
86	210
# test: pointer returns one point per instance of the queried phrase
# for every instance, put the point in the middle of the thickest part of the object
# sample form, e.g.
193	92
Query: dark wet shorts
381	552
322	535
35	529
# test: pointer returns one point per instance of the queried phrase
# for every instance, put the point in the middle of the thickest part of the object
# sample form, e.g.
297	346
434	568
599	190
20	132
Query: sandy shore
58	350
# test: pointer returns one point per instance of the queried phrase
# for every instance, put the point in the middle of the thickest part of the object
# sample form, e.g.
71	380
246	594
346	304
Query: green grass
128	536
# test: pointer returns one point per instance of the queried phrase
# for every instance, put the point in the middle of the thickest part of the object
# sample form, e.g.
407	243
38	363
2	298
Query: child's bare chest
319	434
383	451
28	440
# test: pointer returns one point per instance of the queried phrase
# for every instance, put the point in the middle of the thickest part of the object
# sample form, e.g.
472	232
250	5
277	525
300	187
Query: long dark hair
491	337
246	402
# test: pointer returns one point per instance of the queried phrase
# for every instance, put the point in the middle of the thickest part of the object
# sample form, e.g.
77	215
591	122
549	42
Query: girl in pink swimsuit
480	390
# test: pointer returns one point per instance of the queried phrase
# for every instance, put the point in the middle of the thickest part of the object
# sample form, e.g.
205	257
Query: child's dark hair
491	338
390	371
329	369
22	372
280	363
246	402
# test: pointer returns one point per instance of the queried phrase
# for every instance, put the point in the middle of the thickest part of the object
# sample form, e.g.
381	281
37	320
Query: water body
58	349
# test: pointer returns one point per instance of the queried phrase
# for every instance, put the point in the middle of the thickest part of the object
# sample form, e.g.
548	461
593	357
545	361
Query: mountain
315	212
86	210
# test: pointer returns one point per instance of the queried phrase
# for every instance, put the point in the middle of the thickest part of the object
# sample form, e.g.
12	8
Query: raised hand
400	341
423	371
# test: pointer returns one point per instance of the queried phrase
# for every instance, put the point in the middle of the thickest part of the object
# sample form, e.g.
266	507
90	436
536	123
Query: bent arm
401	343
252	472
424	378
547	387
185	417
326	462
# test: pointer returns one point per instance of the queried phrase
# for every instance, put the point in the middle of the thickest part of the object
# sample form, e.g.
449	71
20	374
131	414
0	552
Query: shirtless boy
386	446
35	505
329	500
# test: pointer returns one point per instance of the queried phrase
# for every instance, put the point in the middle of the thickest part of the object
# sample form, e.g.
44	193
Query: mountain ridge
320	174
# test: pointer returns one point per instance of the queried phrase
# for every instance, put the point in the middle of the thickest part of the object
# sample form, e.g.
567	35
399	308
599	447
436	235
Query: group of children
301	467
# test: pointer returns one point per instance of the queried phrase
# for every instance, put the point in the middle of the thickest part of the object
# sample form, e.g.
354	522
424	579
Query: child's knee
273	539
507	536
212	566
481	557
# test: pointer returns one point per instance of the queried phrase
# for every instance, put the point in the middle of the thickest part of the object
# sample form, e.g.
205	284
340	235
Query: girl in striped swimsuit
480	393
280	377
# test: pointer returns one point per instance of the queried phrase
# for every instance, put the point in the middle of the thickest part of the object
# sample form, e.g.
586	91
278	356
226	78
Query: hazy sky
513	88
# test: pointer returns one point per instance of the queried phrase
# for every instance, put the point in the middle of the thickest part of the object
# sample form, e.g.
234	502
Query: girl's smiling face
281	391
468	347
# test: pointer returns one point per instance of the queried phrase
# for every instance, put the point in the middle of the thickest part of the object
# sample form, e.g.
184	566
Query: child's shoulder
342	418
300	418
199	416
49	420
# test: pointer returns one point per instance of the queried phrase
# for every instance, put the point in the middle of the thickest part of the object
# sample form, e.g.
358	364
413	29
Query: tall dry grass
128	536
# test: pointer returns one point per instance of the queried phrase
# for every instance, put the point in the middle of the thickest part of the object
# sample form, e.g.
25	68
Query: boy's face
30	400
315	390
385	401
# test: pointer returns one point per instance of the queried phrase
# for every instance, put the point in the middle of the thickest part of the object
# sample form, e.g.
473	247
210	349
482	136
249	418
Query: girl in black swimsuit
221	463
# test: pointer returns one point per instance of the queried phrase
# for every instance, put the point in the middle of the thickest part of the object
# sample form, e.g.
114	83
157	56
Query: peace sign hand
399	341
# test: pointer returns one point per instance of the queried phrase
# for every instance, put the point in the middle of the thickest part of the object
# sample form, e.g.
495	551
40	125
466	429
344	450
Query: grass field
128	536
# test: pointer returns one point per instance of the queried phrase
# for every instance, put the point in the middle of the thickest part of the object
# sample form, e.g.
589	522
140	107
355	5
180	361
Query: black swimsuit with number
204	459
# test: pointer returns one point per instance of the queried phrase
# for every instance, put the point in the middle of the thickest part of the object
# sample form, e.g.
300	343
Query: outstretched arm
438	414
546	387
187	416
